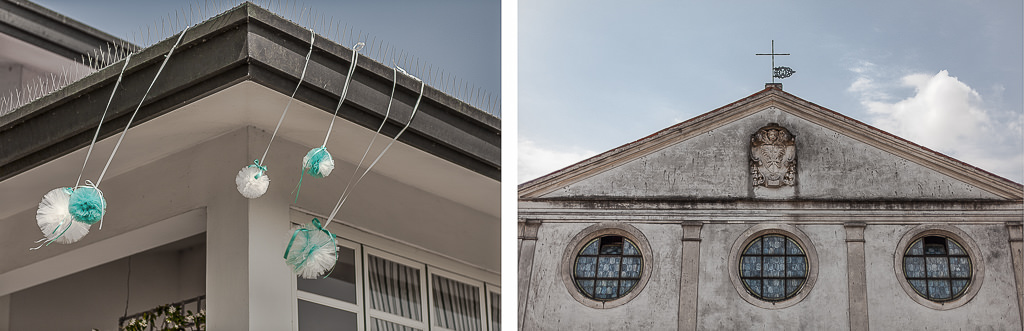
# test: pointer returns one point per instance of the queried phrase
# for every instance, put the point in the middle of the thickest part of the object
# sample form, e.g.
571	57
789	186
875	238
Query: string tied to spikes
324	256
252	181
84	205
318	162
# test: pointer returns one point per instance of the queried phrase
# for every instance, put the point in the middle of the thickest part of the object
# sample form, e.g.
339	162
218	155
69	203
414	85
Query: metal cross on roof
778	72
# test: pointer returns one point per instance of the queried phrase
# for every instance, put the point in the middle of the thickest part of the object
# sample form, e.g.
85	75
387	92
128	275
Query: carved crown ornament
773	157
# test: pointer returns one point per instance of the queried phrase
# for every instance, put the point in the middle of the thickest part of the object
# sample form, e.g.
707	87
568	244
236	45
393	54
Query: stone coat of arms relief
773	157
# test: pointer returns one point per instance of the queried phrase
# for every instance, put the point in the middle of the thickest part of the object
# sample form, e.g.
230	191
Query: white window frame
489	288
425	300
356	308
481	296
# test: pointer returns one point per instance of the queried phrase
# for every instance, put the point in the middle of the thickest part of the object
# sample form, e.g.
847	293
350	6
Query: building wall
96	298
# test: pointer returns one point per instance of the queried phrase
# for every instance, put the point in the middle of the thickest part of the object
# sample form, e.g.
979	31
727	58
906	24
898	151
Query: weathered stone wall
715	164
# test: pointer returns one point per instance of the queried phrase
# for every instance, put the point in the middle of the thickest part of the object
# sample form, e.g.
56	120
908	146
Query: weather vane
778	72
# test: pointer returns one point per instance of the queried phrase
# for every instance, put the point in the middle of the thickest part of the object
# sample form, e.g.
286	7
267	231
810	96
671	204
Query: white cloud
947	115
536	160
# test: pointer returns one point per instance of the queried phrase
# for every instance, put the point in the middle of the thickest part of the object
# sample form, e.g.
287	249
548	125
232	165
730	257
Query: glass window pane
774	288
960	267
631	267
792	248
591	248
796	266
611	246
606	289
315	317
938	267
608	267
939	289
934	247
754	285
920	285
774	266
774	245
959	286
382	325
394	288
340	284
792	285
754	248
456	304
628	248
954	248
914	267
587	286
495	311
750	266
917	248
625	286
586	266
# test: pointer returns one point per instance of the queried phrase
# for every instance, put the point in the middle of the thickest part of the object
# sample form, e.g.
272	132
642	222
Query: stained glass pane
959	267
751	266
606	289
774	266
586	266
959	286
792	285
934	249
591	248
608	267
774	288
939	289
920	285
938	267
792	248
914	267
954	248
625	286
916	249
754	285
796	266
587	286
774	245
628	248
631	267
611	249
754	248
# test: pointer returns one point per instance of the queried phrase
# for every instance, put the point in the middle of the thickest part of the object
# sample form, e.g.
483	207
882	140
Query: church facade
770	212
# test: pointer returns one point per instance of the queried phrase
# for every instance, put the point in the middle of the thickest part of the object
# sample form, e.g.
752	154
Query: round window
938	268
773	267
607	268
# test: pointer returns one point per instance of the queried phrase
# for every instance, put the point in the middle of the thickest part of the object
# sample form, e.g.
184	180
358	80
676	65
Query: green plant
168	318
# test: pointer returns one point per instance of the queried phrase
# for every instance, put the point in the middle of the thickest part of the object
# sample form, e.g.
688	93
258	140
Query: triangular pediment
709	157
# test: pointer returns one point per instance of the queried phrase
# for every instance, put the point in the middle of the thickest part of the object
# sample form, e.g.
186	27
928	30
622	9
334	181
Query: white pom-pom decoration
55	220
312	251
318	163
252	182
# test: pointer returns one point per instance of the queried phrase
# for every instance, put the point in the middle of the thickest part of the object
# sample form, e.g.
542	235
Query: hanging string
112	153
344	89
97	134
394	84
345	195
302	76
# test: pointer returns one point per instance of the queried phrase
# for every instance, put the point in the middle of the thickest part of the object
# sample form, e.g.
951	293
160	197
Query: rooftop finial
778	72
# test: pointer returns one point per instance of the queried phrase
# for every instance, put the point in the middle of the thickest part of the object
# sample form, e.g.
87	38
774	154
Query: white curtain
394	289
456	305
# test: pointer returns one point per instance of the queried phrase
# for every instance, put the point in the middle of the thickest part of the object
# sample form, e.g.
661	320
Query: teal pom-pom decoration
318	162
87	205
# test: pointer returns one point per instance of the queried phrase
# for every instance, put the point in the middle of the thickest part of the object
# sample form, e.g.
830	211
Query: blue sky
594	75
460	36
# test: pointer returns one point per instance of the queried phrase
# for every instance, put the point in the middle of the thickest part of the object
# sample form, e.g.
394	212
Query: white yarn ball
312	252
55	220
252	182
